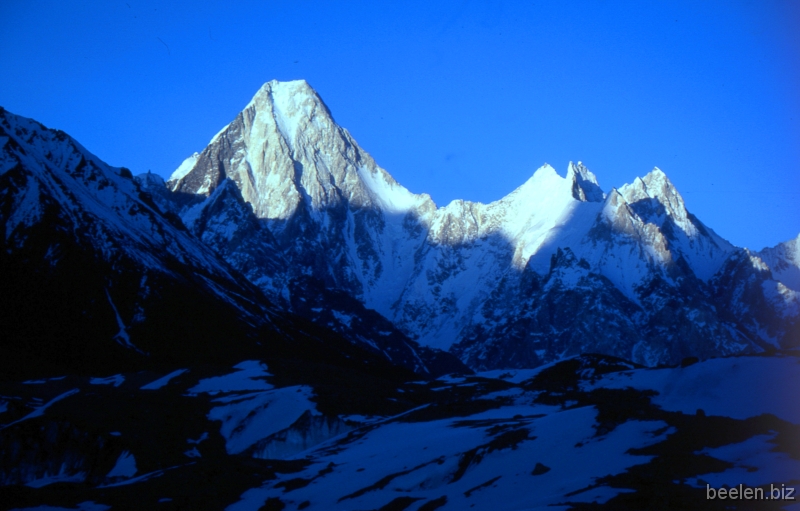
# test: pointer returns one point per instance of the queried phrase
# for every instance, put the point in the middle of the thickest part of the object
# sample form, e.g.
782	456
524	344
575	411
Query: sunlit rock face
556	267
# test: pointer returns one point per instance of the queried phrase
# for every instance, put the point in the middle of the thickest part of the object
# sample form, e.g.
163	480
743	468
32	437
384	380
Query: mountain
97	277
784	262
556	268
197	344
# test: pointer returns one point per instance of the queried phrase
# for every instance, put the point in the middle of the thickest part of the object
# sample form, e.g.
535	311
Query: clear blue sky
456	99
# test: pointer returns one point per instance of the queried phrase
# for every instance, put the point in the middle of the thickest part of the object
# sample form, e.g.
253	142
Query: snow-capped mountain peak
294	105
439	274
654	185
654	200
284	151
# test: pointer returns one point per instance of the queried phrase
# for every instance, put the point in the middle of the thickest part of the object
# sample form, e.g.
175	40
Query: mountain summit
284	150
633	273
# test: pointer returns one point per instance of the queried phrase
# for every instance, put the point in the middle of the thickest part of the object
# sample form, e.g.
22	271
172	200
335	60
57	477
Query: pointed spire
584	184
661	188
655	185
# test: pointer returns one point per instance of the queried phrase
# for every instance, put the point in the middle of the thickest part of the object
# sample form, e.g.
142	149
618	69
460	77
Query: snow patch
250	376
122	336
125	466
250	417
187	165
40	411
163	381
737	387
115	380
61	477
193	453
391	196
756	463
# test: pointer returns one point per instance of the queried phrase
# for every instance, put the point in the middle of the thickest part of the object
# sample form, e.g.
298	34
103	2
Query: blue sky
456	99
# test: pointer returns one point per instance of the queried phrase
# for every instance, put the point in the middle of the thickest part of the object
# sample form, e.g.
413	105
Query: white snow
124	467
292	102
424	456
391	196
433	282
61	477
784	262
345	319
476	242
705	254
193	453
191	214
186	166
122	336
39	382
419	459
738	387
536	211
756	463
40	411
94	197
251	499
249	417
785	299
163	381
203	437
138	479
251	375
115	380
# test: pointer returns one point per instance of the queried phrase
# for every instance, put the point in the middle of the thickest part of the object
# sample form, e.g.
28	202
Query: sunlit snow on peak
187	165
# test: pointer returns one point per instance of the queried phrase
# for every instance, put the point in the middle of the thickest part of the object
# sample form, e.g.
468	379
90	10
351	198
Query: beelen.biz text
742	492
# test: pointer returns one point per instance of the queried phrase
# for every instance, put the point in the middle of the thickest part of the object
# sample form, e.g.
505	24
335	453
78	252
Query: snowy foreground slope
590	432
556	268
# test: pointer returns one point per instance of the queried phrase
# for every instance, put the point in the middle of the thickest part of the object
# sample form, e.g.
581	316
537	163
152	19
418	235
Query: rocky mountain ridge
468	276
